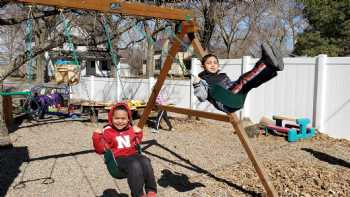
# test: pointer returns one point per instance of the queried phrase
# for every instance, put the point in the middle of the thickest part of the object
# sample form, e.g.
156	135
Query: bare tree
11	43
48	34
207	13
136	59
247	24
291	20
249	34
234	25
11	38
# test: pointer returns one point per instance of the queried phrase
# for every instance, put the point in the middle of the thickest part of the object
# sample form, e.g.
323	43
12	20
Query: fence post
92	87
319	91
150	85
195	69
118	88
246	66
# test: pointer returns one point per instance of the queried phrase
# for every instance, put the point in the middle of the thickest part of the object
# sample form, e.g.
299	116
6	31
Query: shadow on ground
11	160
188	165
180	182
112	193
327	158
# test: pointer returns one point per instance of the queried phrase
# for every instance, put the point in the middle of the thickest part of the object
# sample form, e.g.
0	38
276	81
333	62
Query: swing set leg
271	192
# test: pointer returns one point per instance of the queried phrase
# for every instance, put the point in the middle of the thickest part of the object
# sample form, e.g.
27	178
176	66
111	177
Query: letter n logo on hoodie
123	141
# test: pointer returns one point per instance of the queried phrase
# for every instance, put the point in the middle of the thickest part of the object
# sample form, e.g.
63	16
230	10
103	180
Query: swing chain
68	36
115	59
28	41
76	62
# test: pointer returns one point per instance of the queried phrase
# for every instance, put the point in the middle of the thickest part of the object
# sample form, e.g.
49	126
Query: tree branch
53	43
4	2
14	21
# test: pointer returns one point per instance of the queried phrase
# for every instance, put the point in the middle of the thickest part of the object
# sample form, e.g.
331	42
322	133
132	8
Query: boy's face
120	119
211	65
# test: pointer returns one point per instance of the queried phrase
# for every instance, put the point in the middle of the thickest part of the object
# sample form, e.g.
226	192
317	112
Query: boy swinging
215	86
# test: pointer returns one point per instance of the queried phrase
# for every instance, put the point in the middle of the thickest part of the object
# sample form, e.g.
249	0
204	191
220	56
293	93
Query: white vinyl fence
314	87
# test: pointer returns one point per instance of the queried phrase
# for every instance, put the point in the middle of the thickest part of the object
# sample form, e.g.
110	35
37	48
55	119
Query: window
104	65
91	68
158	64
92	64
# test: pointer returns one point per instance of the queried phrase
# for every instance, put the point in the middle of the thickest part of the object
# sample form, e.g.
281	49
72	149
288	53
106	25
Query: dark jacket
201	89
216	78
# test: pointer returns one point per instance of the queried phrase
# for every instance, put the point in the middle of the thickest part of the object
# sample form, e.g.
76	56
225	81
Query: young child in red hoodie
121	137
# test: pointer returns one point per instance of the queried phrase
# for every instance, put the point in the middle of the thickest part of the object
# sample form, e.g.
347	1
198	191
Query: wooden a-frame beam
162	75
119	7
191	112
243	138
196	45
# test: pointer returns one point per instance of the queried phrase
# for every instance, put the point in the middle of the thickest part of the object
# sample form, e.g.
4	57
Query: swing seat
24	93
226	97
112	165
67	73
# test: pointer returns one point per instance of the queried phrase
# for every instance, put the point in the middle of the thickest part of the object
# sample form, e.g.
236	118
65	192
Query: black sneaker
272	57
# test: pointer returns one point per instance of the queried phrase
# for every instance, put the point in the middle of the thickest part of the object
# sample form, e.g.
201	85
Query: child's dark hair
121	107
204	59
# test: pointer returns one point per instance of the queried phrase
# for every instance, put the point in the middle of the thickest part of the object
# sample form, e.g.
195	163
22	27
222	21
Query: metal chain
76	62
29	40
69	39
113	54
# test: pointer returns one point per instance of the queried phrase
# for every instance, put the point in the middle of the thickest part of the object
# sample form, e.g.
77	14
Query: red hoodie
122	143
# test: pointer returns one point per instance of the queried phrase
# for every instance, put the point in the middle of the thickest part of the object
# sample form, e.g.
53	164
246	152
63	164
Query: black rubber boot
272	57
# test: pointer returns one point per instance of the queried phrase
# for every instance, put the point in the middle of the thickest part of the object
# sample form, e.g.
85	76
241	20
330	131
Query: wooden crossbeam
264	178
120	7
191	112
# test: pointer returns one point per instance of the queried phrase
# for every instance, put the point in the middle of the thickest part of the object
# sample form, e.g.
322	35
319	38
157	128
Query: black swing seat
226	97
112	165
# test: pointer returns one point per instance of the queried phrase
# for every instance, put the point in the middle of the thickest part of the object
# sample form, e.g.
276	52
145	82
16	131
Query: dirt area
200	158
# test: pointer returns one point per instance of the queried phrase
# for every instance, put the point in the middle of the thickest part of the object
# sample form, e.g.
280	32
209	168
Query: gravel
200	158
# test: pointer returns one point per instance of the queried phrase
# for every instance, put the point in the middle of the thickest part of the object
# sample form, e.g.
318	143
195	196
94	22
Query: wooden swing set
186	26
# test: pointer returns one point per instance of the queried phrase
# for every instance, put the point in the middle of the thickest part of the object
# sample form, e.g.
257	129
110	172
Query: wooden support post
264	178
5	141
8	110
198	47
163	73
